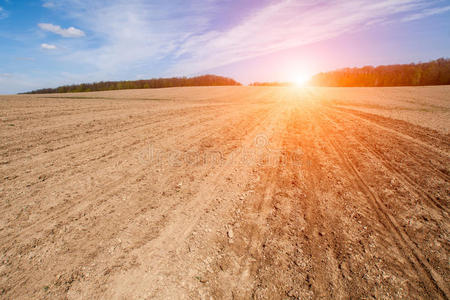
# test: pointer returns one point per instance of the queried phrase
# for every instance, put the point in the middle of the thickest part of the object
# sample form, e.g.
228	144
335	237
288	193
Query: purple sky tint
50	43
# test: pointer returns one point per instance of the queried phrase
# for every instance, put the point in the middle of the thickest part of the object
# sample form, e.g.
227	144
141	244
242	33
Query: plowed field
226	192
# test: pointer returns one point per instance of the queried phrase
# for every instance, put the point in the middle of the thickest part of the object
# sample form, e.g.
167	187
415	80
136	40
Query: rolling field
226	192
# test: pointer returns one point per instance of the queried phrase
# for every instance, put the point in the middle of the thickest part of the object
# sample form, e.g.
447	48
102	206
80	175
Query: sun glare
301	79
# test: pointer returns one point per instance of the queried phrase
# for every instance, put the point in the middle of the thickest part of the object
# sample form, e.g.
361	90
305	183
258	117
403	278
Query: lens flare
301	79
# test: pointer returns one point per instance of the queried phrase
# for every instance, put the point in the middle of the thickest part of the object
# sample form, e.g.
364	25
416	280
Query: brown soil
227	192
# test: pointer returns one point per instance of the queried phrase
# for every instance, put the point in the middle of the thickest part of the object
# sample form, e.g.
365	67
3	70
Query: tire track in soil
260	208
402	176
414	256
318	273
430	165
267	229
257	235
441	152
427	135
324	279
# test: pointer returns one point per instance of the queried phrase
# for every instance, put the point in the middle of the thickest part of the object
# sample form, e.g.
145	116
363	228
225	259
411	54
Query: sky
51	43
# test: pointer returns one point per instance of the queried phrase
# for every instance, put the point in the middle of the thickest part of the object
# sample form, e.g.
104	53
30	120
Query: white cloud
48	46
70	32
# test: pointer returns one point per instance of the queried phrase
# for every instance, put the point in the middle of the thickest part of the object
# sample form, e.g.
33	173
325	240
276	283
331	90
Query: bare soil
225	192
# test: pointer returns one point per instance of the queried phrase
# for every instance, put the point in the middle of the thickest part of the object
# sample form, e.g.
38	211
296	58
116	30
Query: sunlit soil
226	192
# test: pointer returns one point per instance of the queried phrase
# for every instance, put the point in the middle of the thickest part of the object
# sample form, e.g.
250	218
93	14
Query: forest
204	80
436	72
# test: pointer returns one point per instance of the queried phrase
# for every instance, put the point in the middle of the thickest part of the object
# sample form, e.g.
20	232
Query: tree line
436	72
204	80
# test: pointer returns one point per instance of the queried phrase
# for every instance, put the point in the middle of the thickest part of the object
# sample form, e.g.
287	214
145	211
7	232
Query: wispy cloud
70	32
135	33
48	4
427	13
48	46
3	13
123	38
285	25
178	37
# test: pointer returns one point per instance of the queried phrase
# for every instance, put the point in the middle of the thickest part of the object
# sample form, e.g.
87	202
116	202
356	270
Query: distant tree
204	80
435	72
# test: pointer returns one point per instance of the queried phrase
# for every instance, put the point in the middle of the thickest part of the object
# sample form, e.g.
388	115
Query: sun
301	79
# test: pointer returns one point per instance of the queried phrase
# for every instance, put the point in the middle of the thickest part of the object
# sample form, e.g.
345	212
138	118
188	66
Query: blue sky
50	43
